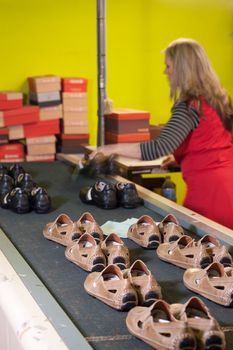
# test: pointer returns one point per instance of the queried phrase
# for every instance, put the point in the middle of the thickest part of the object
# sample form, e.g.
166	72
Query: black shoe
3	169
101	194
17	200
6	185
127	195
25	182
40	200
15	170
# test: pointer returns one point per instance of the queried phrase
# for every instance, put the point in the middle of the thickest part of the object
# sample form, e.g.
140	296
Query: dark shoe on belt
40	200
127	195
3	169
17	200
25	182
6	185
101	194
15	170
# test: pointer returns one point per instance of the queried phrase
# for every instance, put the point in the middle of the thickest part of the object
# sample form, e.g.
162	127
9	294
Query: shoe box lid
53	112
74	84
41	128
44	83
128	114
115	138
10	100
23	115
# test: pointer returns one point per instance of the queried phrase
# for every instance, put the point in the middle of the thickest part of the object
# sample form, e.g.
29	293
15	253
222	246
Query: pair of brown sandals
187	253
122	290
177	326
85	243
148	234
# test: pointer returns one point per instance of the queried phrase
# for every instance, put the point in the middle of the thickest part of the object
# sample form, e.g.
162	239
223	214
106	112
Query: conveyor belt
102	326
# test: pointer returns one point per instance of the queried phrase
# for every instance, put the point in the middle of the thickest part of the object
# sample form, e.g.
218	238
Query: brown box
49	113
44	83
75	129
75	113
74	100
126	121
39	149
40	140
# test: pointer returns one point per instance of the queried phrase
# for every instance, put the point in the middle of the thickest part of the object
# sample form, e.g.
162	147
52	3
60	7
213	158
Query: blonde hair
193	77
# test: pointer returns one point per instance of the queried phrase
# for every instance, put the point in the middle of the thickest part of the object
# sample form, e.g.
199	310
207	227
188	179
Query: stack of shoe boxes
44	94
127	125
75	116
13	113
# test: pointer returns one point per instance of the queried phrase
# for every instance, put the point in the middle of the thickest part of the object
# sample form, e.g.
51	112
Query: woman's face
168	67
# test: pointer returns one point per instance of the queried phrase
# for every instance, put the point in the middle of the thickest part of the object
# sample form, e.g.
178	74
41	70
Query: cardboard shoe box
41	145
40	158
23	115
41	128
126	121
49	113
71	113
74	100
75	126
12	152
74	84
45	99
10	100
44	83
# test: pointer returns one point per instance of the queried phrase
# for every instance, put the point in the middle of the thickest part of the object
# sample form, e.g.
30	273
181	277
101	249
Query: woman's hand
168	162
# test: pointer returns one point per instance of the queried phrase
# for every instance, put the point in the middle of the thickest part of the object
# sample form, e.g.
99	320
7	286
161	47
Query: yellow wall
59	37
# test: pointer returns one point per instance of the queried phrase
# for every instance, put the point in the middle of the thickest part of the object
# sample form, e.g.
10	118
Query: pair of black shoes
109	196
21	201
20	193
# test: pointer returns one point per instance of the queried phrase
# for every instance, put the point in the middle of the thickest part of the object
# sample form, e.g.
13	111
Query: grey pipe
101	43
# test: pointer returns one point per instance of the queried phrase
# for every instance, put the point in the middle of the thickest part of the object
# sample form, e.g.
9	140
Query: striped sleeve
181	123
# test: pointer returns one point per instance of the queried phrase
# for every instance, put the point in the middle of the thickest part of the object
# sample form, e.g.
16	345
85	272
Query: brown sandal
207	330
212	282
184	253
116	251
218	252
156	326
144	282
63	230
86	253
170	229
87	224
145	233
111	288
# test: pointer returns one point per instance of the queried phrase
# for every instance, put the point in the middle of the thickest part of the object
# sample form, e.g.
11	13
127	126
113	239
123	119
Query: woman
198	134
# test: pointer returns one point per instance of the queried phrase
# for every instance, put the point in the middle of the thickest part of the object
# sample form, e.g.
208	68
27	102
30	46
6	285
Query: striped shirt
183	120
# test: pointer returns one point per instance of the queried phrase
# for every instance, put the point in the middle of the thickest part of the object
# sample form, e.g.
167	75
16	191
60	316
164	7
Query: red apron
206	161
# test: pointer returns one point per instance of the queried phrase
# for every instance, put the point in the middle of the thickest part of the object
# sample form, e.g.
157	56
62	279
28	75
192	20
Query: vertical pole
101	9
